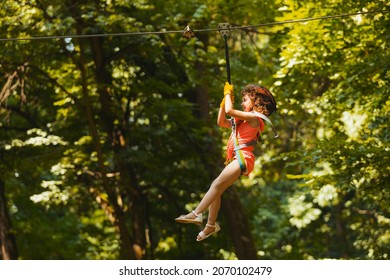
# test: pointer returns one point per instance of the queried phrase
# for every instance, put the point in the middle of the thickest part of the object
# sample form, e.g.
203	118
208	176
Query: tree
7	238
104	139
334	78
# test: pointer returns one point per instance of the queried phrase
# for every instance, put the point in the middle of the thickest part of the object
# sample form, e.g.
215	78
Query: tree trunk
138	216
341	236
238	225
133	245
7	239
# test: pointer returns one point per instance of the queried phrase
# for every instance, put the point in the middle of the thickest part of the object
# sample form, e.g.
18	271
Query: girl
246	126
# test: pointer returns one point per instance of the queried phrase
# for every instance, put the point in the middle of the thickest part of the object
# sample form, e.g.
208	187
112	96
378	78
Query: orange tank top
245	134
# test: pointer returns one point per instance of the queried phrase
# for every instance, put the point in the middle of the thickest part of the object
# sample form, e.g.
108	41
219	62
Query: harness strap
237	149
251	143
264	117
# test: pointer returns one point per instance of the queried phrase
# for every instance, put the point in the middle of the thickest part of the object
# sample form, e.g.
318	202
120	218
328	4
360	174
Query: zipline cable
181	31
298	20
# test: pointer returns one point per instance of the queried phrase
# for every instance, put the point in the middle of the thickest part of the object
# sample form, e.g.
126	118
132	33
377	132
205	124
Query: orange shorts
249	158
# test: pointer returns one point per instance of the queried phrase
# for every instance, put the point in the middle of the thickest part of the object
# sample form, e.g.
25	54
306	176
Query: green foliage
74	110
337	75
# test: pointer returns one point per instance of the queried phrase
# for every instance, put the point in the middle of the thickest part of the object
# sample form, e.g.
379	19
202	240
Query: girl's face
246	104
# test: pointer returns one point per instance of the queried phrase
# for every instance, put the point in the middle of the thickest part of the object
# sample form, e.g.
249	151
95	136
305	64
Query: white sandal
198	220
203	236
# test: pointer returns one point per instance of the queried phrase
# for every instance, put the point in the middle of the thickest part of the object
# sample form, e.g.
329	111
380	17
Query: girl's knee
218	185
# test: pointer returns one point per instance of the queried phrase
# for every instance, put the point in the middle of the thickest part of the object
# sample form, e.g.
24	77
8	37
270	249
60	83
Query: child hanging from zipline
257	104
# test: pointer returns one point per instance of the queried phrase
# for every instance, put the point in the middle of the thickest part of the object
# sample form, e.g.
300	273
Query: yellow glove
228	89
222	105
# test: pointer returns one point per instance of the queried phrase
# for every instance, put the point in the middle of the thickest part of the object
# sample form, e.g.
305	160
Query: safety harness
238	147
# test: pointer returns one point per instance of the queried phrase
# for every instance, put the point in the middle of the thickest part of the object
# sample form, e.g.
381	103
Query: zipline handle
188	32
224	29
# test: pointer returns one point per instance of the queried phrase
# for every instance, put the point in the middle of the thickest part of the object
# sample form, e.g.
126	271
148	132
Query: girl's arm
222	121
246	116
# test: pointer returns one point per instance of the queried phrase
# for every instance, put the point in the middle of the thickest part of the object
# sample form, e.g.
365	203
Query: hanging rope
224	29
248	27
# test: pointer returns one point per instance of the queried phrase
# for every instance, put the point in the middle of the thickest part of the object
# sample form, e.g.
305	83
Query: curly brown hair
262	99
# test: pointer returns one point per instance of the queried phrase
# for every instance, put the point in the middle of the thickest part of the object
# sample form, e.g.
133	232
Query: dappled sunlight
226	255
326	196
165	245
53	195
353	122
302	212
42	138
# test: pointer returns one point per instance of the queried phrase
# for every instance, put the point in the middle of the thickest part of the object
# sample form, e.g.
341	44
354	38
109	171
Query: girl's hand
228	89
222	105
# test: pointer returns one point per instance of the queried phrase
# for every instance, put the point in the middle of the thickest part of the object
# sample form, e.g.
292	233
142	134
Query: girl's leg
213	213
227	177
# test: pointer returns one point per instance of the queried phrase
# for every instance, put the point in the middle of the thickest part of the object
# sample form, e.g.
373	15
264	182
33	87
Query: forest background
105	140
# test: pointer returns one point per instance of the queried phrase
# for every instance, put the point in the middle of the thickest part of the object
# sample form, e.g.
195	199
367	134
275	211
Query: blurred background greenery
105	140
